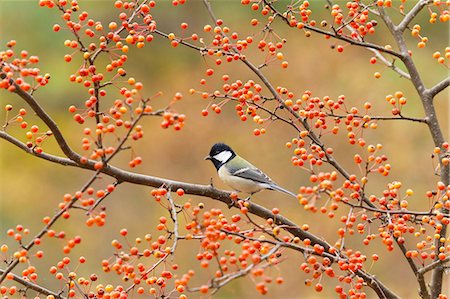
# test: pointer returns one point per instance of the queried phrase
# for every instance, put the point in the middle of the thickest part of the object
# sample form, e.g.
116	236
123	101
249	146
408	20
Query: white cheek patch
223	156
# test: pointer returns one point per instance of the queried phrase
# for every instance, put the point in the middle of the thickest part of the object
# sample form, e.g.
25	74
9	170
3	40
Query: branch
423	290
400	117
173	215
335	34
99	200
389	64
433	265
305	250
33	286
394	212
433	91
31	101
45	156
412	14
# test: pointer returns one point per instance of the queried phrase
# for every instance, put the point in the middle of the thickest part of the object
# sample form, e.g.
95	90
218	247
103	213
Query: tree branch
400	117
390	64
40	112
45	156
33	286
433	91
335	34
433	265
435	132
412	14
423	290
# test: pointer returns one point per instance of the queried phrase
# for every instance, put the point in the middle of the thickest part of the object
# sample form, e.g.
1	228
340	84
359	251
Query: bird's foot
231	204
248	198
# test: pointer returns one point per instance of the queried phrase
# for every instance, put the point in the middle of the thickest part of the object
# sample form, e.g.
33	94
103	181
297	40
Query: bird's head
220	154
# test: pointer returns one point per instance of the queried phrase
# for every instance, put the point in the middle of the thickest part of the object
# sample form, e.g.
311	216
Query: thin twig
99	201
400	117
174	217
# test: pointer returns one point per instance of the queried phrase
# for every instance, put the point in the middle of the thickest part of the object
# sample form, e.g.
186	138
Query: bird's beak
208	157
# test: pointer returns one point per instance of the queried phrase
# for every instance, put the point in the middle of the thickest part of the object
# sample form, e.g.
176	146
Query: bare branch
412	14
390	64
433	91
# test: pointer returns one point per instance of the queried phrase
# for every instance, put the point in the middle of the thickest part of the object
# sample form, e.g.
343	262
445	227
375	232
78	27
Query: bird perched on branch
240	174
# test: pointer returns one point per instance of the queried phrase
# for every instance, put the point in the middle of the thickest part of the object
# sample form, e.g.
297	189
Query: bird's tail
278	188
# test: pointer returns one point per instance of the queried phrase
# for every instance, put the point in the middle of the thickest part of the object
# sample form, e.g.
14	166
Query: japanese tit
238	173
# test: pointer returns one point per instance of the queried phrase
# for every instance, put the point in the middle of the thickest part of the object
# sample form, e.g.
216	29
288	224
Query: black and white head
220	154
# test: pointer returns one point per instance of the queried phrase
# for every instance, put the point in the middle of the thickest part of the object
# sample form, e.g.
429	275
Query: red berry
209	72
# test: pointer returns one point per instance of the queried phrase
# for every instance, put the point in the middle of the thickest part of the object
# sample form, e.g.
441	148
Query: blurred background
31	188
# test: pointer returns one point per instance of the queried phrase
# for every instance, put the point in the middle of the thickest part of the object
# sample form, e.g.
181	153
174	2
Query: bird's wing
253	174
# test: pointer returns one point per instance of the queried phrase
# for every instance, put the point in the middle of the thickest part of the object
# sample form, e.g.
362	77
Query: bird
238	173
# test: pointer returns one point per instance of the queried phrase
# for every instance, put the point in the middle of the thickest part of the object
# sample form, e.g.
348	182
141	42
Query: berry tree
380	223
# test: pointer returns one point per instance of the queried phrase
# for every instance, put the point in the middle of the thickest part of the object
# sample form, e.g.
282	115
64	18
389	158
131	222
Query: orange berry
204	289
98	165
